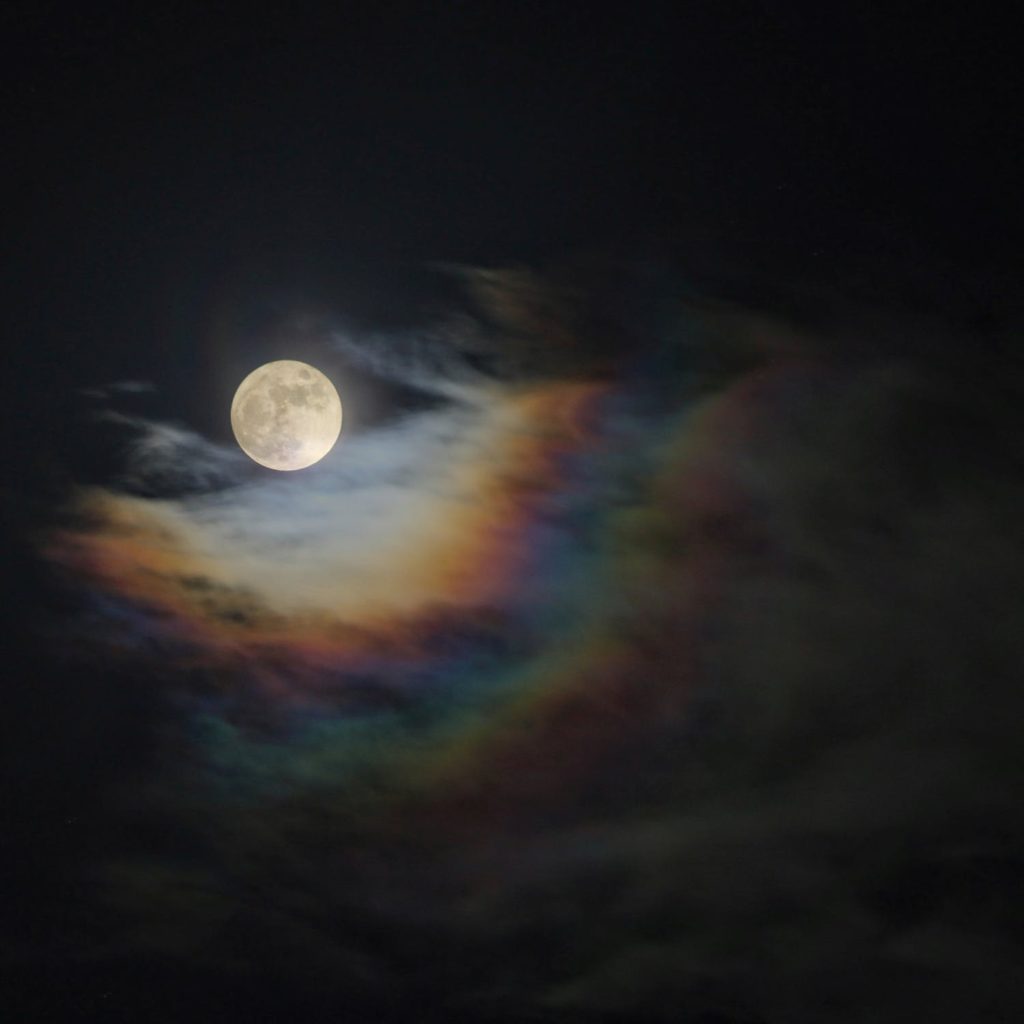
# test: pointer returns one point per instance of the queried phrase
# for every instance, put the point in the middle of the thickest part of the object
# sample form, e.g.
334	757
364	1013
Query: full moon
286	415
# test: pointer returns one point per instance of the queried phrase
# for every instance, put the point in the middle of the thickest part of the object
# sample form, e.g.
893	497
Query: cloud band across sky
659	662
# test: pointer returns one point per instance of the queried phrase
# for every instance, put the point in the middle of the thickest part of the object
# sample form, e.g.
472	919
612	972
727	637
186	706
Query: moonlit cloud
449	360
164	456
637	689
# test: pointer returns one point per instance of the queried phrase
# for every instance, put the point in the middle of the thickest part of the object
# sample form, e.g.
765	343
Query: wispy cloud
165	458
445	360
120	387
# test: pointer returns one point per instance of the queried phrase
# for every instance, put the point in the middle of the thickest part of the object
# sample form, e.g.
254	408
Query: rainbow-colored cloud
565	682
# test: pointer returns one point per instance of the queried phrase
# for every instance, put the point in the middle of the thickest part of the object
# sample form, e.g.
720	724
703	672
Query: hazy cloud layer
687	683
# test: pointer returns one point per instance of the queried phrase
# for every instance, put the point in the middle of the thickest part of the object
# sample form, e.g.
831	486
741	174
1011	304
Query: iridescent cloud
554	658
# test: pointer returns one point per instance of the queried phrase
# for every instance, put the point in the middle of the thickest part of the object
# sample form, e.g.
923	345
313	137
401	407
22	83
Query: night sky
649	647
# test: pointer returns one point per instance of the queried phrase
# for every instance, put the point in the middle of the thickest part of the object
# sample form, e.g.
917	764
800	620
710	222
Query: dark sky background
178	182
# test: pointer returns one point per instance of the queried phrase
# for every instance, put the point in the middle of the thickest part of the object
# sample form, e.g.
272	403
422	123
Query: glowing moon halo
286	415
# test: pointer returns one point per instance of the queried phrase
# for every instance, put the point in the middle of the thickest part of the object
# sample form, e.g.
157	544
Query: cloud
120	387
164	458
380	525
450	359
684	682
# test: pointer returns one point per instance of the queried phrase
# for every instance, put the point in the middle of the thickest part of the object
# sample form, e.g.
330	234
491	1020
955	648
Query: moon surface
286	415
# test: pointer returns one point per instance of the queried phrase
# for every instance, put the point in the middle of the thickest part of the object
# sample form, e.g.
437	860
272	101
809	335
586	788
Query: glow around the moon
286	415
